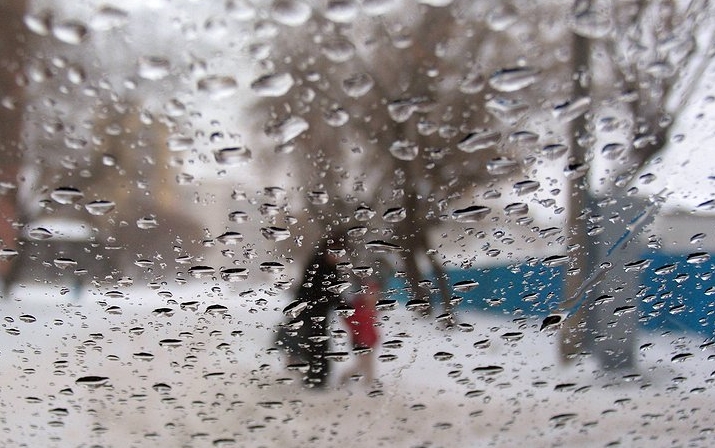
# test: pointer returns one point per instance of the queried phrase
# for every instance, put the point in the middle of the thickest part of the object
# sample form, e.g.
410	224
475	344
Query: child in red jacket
363	332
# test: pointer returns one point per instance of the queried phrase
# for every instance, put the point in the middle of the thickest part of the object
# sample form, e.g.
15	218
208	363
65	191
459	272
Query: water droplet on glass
108	18
238	217
64	263
698	257
526	186
201	271
488	370
553	152
274	85
592	23
336	117
555	260
338	50
396	214
501	165
479	140
147	222
287	129
612	151
275	233
290	12
472	83
70	32
404	150
39	24
92	381
232	156
153	68
516	209
508	110
513	79
571	110
379	246
234	274
177	143
217	87
39	233
465	285
318	197
637	266
99	208
230	238
364	213
472	213
443	356
502	16
357	84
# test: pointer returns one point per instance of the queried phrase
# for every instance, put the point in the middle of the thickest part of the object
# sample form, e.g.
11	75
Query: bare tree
396	121
641	60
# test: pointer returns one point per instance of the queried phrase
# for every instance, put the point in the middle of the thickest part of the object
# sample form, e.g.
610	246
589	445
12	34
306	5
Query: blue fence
675	294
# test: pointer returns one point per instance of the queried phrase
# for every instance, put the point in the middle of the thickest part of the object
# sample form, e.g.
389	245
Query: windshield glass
356	222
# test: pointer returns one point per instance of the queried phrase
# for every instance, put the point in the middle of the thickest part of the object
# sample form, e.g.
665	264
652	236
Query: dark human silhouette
305	335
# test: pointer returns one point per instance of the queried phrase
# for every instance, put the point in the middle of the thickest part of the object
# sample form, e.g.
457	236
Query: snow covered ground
169	368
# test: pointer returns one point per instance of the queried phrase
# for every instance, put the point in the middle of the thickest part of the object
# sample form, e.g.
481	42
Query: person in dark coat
305	335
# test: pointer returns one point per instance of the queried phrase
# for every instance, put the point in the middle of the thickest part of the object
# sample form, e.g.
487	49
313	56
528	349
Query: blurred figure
13	48
305	338
364	335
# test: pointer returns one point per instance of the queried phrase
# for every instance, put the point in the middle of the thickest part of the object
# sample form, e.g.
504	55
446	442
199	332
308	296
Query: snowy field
152	368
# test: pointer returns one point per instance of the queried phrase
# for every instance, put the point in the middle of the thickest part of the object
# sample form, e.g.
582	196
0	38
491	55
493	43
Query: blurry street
150	368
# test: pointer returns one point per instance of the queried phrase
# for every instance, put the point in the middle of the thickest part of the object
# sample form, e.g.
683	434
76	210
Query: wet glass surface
356	222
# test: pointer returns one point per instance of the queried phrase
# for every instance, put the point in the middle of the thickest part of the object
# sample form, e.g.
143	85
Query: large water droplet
287	129
404	150
358	84
501	165
275	233
508	110
66	195
479	140
526	186
232	156
70	32
109	17
472	213
153	68
395	214
234	274
338	50
99	208
513	79
290	12
571	110
217	87
274	85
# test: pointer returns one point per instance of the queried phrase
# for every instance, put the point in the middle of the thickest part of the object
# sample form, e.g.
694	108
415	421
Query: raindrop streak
633	228
380	246
479	140
274	85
